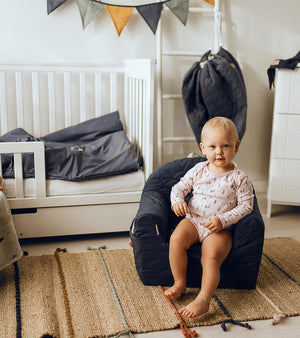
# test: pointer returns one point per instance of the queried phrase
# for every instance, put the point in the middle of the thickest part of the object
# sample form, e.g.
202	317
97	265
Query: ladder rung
179	139
196	9
172	97
182	53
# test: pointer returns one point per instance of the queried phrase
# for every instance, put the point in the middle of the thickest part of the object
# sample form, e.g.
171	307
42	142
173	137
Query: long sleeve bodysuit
228	195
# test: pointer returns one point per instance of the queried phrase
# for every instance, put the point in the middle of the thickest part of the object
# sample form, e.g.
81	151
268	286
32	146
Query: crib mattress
133	181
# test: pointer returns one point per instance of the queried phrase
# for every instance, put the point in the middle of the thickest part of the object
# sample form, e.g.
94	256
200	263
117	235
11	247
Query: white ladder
216	16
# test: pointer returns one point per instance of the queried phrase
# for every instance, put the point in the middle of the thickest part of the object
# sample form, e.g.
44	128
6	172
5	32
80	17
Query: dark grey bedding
92	149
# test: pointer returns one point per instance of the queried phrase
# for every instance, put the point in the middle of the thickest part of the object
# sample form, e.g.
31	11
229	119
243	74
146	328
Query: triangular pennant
88	10
180	8
212	2
151	14
53	4
120	16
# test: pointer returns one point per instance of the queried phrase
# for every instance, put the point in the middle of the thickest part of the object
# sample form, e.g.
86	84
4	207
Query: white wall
255	31
28	34
258	32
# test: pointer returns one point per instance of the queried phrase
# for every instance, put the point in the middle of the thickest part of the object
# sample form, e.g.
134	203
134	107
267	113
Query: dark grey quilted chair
152	227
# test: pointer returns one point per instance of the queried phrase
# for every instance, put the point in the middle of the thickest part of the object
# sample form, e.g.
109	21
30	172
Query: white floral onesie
227	195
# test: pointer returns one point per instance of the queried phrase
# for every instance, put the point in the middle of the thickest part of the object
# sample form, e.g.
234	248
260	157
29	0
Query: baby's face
219	146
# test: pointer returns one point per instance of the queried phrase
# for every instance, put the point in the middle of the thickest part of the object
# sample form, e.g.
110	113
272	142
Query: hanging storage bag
214	86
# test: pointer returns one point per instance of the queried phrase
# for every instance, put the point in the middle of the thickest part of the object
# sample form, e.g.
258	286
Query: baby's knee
175	239
178	242
212	258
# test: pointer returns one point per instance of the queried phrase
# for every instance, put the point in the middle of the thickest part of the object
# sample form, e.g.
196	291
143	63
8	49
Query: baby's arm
180	190
244	206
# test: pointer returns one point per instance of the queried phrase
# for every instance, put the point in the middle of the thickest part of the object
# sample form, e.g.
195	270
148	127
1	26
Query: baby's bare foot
176	290
196	308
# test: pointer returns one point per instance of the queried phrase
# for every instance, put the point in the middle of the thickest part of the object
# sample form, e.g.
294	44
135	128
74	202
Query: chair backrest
164	177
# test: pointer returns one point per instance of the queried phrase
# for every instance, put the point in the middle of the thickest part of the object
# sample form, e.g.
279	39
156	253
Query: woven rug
99	294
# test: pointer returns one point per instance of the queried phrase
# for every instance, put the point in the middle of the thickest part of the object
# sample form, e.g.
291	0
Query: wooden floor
285	222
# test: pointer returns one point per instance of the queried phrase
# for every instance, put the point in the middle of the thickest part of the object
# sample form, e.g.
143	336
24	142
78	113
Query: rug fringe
230	319
278	316
100	247
234	322
124	333
185	330
61	250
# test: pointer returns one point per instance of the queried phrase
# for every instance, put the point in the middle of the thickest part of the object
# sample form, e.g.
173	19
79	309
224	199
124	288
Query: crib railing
139	103
42	99
17	149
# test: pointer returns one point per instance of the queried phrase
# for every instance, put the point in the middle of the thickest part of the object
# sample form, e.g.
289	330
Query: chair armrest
148	234
249	228
152	215
249	232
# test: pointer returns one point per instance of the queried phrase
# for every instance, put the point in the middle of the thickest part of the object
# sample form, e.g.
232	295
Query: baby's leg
215	248
182	238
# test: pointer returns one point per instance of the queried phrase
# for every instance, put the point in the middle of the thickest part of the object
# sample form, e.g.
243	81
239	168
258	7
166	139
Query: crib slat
140	114
113	92
82	91
19	99
36	104
137	117
130	110
135	107
51	98
146	132
3	107
128	106
67	97
133	117
18	169
39	172
98	94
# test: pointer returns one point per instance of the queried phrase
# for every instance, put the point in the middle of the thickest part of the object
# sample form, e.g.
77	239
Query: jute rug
99	294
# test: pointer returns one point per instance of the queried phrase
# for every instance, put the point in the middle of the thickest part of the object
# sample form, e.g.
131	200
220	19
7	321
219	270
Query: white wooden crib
42	99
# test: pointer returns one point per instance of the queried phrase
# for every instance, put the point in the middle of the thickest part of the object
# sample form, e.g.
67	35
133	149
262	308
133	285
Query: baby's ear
202	148
237	145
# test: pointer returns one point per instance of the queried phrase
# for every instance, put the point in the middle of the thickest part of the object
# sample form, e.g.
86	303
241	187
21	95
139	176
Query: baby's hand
214	225
180	208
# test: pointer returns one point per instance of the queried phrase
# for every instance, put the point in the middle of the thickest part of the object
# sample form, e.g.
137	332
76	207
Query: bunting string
149	10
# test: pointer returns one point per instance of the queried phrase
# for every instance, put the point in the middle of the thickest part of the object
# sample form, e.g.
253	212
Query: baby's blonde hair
223	123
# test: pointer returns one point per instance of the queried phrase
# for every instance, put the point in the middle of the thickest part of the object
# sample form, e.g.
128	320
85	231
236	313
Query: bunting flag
121	10
211	2
120	16
151	14
180	8
88	10
53	4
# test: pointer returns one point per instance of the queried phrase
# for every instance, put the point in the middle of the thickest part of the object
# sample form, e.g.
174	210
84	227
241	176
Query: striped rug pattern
99	294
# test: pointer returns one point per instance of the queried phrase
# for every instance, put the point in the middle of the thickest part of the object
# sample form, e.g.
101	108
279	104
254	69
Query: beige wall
259	31
255	31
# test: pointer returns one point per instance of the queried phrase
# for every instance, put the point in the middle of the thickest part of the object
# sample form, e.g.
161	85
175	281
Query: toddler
222	195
